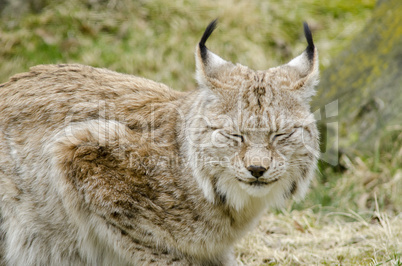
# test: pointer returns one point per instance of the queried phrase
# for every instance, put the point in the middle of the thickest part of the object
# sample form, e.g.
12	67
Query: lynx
102	168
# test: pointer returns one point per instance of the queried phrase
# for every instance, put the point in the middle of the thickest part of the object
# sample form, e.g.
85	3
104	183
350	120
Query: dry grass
308	238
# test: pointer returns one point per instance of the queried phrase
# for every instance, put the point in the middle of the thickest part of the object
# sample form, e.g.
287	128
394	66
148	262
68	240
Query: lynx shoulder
102	168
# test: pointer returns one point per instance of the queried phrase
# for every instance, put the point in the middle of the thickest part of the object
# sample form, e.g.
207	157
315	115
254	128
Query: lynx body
102	168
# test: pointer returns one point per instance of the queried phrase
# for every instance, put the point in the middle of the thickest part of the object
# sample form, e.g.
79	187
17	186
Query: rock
363	87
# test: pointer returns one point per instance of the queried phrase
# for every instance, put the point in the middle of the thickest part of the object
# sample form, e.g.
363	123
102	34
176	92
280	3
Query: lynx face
251	133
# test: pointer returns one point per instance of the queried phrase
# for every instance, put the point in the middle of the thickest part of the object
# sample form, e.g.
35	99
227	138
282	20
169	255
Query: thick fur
102	168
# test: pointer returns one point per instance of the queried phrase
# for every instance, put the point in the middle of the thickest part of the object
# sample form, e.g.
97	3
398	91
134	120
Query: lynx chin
102	168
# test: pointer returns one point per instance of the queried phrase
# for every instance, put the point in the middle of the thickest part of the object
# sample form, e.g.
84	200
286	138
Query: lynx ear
209	65
304	68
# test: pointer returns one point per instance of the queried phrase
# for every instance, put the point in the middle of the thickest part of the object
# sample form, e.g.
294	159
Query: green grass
156	39
363	181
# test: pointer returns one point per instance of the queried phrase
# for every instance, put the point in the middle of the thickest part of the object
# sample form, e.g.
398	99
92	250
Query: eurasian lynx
102	168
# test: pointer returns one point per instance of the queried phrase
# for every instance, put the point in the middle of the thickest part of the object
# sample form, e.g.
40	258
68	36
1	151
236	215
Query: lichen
368	70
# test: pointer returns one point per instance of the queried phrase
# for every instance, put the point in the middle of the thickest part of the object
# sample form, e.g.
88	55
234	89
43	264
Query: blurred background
156	39
358	102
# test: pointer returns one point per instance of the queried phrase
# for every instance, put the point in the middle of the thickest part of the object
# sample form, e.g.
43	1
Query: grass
305	238
363	181
352	215
156	39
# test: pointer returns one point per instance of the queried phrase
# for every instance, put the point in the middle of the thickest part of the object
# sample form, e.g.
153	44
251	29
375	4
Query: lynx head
250	134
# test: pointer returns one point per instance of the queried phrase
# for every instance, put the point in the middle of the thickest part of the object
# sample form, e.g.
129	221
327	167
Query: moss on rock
366	79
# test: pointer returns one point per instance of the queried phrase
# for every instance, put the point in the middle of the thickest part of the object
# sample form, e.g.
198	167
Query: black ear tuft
208	31
309	38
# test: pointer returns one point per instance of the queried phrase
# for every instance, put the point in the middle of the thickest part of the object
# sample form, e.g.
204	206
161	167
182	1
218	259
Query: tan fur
102	168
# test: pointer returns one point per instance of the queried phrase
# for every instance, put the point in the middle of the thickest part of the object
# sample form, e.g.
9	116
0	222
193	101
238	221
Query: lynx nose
256	170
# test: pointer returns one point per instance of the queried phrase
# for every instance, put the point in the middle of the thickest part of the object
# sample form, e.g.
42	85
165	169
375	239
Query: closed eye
232	136
278	135
283	134
238	136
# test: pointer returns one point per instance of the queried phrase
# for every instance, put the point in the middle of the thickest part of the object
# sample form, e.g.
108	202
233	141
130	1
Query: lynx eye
278	135
232	136
238	136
